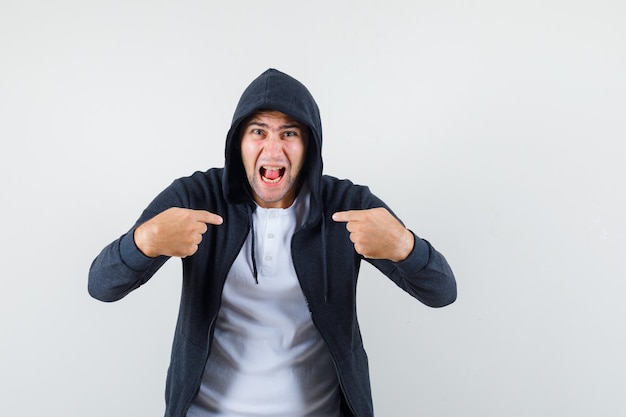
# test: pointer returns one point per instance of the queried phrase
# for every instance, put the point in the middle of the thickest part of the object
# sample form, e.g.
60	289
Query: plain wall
494	129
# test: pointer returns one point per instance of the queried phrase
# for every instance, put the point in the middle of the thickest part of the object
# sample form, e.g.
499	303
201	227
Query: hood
274	90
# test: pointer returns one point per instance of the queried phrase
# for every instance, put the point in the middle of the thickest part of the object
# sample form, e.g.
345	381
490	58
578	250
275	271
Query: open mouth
271	174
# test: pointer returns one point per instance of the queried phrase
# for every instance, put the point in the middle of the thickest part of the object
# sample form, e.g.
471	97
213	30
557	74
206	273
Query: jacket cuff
131	255
418	258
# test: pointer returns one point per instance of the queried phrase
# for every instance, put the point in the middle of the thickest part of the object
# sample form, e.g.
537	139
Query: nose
273	145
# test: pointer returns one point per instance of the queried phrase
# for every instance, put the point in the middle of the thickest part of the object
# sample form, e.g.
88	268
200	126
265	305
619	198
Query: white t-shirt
267	357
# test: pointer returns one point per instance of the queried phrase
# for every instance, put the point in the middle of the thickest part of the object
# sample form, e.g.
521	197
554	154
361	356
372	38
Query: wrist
407	242
142	242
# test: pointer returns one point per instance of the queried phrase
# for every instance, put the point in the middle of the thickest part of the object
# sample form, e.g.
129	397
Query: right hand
174	232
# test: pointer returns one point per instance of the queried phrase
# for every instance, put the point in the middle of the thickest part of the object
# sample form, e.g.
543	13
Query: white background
494	129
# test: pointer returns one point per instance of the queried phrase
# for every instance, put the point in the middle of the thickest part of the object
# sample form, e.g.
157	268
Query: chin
273	199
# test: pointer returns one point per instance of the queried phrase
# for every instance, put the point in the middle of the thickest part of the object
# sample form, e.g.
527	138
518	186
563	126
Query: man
271	250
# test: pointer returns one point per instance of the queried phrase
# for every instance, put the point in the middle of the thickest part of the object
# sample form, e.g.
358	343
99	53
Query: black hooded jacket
324	258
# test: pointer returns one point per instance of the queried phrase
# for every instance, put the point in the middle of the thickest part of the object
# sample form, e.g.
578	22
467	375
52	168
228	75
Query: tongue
272	174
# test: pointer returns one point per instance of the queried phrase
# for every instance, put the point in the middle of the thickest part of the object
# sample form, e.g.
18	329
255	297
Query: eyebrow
281	127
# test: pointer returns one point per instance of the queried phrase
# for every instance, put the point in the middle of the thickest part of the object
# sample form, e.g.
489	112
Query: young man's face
273	149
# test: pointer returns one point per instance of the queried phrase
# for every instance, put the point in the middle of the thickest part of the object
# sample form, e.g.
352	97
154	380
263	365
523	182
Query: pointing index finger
345	216
210	218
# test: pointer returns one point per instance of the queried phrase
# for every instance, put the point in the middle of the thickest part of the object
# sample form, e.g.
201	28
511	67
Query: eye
290	133
257	131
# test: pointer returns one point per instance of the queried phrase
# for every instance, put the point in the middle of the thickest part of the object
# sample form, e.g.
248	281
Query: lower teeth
271	181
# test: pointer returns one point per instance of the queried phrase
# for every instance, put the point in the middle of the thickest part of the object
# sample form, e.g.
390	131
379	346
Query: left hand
377	234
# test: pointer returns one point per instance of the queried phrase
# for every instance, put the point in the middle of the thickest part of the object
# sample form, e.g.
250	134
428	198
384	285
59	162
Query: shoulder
345	194
202	177
199	180
199	186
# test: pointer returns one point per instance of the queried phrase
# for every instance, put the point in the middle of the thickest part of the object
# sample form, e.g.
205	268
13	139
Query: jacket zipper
212	328
332	356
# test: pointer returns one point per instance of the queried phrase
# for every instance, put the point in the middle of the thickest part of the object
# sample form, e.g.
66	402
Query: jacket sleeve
425	274
121	267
